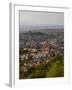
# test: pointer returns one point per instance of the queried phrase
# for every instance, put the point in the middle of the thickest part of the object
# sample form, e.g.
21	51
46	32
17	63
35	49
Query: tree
56	69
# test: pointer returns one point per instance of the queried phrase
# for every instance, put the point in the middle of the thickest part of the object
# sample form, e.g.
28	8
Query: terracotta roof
46	44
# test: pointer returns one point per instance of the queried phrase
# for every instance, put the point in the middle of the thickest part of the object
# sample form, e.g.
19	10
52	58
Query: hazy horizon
31	20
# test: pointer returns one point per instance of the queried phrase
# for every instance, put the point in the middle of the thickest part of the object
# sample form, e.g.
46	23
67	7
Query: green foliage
38	72
54	68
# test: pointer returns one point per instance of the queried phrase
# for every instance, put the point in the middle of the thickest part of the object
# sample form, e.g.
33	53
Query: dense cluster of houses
44	53
40	51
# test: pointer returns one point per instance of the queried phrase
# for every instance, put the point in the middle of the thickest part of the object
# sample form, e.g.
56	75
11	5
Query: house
45	47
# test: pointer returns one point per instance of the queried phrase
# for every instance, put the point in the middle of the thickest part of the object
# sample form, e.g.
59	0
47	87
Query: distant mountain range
24	28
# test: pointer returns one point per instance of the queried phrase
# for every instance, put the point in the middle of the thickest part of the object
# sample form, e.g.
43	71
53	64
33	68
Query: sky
35	18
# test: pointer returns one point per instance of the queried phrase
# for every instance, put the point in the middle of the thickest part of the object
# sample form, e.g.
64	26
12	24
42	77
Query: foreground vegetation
53	68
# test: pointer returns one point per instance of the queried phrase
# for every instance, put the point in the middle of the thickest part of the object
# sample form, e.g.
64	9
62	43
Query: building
45	47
